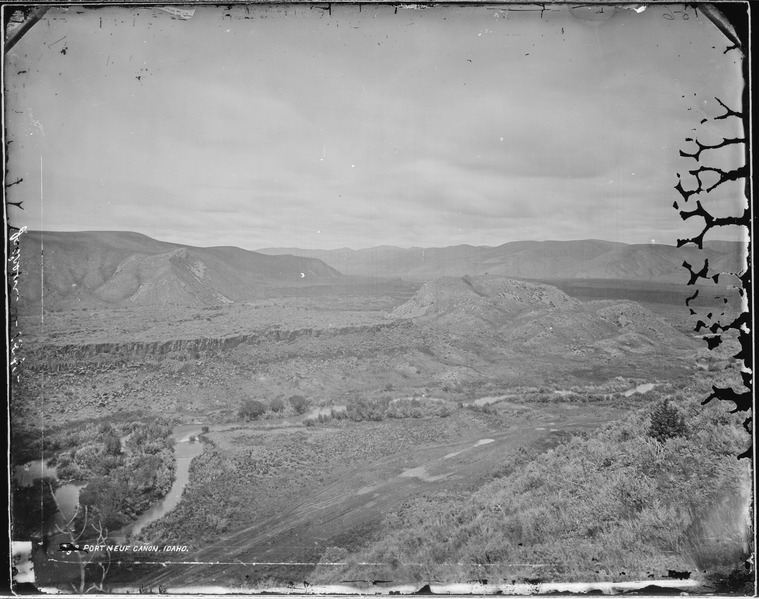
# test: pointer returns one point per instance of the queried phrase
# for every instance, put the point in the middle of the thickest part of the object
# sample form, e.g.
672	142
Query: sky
295	126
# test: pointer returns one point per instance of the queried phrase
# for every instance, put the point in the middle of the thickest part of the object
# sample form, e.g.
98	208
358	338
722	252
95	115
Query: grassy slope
617	504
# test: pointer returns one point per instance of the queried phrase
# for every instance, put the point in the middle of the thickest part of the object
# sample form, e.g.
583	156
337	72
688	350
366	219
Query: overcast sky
262	127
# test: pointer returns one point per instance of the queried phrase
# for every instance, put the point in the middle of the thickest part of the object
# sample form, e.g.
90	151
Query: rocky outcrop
55	356
488	297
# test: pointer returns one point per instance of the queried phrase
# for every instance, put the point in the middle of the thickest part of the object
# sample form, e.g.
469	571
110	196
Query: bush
276	405
666	422
107	498
299	403
251	410
112	443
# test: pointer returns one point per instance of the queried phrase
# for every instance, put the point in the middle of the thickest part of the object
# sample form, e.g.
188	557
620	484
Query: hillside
538	318
591	259
465	300
615	504
114	268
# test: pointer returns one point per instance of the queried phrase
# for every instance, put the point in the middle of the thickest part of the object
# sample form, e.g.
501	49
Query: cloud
365	127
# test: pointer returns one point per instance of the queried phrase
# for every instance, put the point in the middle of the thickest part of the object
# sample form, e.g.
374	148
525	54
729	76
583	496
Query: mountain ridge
123	268
582	259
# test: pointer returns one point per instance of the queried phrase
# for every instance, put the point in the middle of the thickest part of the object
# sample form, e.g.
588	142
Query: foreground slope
613	505
100	268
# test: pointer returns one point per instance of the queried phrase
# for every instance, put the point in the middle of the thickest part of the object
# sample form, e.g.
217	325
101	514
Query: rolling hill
586	259
83	269
537	317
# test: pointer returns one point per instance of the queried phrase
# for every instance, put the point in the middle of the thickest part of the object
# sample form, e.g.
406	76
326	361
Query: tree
112	443
299	404
251	410
106	500
666	422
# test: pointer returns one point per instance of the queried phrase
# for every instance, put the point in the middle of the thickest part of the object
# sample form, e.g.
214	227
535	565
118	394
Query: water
483	401
644	388
322	411
483	442
185	450
31	471
66	496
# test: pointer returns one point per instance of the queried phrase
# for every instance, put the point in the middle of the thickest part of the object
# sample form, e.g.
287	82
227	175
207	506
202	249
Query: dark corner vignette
736	15
690	185
734	20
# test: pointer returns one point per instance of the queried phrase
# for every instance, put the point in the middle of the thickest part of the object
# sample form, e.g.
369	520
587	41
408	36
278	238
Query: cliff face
56	356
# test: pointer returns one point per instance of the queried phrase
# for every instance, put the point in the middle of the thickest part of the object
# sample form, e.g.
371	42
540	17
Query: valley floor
382	493
331	486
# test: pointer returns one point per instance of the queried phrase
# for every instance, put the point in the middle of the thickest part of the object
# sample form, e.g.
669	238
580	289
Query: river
186	447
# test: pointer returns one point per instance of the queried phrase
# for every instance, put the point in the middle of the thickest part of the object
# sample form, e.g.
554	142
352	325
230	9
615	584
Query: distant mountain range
584	259
100	268
115	267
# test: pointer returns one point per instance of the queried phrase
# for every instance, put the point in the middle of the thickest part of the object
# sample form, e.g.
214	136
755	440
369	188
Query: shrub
276	405
112	444
107	497
251	410
299	403
666	422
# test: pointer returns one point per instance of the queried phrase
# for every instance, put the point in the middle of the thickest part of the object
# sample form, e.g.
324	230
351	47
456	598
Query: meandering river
186	447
